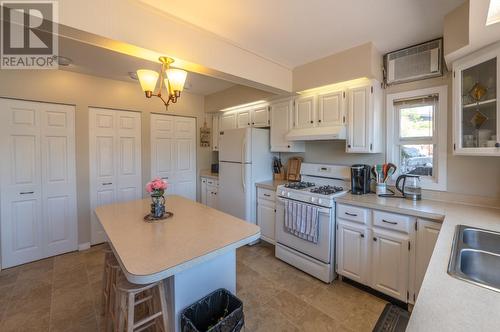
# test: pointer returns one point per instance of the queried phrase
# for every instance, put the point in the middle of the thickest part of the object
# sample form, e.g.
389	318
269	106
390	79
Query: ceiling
93	60
295	32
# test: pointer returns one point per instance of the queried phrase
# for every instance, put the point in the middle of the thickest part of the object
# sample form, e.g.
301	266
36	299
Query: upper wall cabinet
281	123
244	119
305	109
331	109
228	121
364	107
476	110
260	117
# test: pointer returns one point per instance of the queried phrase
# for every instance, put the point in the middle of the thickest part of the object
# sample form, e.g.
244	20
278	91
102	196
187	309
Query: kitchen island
194	251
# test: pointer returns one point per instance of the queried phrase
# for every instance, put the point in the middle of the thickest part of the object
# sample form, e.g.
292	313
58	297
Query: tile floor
63	294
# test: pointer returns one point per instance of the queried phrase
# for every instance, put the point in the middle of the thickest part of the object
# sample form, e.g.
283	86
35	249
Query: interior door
185	161
115	161
21	189
128	140
58	178
304	112
173	153
331	109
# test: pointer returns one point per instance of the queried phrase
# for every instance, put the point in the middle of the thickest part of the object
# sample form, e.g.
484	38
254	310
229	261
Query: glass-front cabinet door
476	109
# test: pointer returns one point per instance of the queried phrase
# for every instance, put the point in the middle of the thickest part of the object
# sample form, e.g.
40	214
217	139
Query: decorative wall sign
204	135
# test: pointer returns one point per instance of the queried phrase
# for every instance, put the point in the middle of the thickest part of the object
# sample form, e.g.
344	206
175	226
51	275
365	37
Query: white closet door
173	153
162	148
129	177
59	178
115	161
38	210
185	166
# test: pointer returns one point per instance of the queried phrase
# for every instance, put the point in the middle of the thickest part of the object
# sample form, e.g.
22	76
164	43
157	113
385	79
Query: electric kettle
410	188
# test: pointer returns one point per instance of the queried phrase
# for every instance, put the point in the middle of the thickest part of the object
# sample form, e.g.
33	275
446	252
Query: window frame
438	181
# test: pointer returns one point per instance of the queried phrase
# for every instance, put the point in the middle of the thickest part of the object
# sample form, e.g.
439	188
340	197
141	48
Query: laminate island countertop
445	303
153	251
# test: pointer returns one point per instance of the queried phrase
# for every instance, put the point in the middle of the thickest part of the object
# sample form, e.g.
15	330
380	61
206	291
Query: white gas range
319	186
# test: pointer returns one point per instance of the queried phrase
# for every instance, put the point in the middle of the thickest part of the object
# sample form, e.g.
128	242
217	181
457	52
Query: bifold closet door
115	161
38	193
173	153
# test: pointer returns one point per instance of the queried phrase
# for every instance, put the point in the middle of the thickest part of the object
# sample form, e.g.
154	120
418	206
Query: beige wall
84	91
456	28
356	62
233	96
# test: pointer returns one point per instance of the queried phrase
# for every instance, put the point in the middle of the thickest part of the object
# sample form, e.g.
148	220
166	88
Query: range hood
318	134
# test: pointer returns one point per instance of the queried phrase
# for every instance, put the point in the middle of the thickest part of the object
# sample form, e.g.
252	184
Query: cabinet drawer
212	188
353	213
212	182
266	194
392	221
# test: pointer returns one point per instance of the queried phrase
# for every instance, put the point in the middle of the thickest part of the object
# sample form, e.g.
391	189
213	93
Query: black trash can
219	311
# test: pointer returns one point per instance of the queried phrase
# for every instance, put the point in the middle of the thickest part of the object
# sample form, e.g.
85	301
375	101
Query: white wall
83	91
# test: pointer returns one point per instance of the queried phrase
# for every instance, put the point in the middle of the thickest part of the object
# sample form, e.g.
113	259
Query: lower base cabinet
386	251
390	268
209	189
266	214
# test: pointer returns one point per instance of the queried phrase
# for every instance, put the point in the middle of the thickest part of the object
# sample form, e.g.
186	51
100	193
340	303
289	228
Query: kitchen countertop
150	252
271	184
206	173
445	303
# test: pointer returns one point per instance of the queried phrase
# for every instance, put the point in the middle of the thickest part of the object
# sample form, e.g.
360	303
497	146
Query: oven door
322	250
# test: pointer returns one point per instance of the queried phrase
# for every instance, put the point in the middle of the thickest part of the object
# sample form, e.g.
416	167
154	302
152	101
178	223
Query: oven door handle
322	210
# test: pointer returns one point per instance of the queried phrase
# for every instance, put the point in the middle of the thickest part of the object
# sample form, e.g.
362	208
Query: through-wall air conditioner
414	63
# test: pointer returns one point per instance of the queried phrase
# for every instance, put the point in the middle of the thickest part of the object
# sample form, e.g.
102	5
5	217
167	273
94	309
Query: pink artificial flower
149	187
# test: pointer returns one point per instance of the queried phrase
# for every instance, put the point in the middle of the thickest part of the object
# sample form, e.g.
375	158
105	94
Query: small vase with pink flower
156	188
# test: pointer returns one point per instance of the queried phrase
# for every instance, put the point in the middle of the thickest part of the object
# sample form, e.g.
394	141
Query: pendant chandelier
171	78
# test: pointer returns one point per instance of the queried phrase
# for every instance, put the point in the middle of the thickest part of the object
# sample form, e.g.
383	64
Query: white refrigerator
244	159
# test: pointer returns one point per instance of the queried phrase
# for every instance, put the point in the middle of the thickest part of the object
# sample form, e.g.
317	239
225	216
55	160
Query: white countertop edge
146	279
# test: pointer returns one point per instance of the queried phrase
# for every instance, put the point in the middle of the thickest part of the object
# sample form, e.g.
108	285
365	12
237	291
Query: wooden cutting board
293	168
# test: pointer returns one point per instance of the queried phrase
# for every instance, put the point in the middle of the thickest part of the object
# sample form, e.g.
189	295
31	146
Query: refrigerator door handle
243	177
243	150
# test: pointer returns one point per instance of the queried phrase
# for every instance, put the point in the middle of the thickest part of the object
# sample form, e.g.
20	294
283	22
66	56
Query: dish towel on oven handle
301	220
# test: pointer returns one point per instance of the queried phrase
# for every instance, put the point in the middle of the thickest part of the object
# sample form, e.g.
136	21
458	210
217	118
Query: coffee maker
360	179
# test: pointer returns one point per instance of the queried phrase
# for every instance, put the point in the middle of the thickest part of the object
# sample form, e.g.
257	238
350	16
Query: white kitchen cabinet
260	117
37	181
215	132
364	119
266	215
427	234
228	121
476	116
203	191
305	112
390	263
244	119
352	258
212	196
331	109
281	123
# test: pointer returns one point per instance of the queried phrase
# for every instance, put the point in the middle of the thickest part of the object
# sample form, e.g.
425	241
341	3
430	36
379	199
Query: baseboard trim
84	246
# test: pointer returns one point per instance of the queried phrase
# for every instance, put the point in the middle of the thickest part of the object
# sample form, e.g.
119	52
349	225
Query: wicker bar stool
129	296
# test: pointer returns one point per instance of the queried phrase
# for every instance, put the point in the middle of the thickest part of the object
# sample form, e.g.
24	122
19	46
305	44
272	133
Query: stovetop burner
326	190
299	185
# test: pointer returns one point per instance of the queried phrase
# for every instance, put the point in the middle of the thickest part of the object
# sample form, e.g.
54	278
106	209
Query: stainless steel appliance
320	185
410	187
360	179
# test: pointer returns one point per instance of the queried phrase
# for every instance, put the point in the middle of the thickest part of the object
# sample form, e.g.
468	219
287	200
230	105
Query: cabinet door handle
349	146
319	121
26	192
497	145
289	146
107	183
312	121
375	239
389	222
165	178
267	195
351	214
362	235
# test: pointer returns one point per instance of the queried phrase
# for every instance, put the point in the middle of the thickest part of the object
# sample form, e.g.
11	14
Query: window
416	129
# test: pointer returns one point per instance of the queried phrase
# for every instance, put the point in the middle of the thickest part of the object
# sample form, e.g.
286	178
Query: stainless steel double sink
475	257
